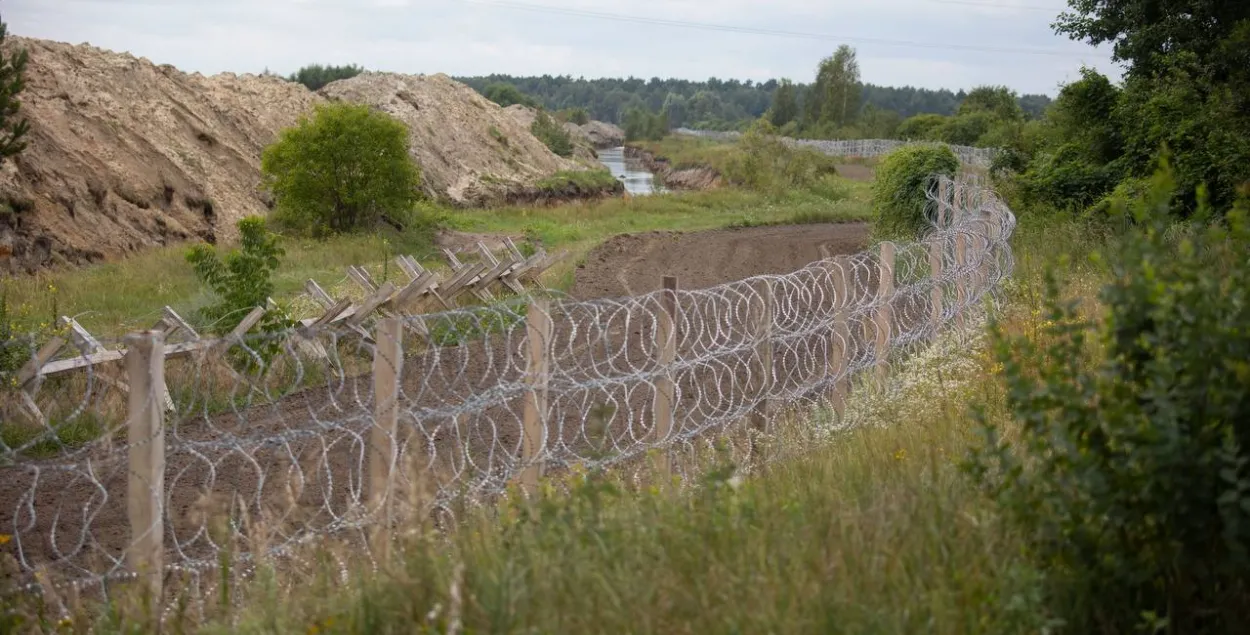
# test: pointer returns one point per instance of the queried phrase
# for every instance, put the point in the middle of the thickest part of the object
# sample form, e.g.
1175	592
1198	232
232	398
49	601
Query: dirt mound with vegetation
604	135
124	155
701	177
583	149
468	147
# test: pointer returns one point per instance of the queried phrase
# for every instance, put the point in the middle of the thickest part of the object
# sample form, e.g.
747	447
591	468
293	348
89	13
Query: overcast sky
900	42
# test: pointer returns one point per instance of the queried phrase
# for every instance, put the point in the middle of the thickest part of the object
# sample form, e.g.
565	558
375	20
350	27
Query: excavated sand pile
123	155
466	144
583	150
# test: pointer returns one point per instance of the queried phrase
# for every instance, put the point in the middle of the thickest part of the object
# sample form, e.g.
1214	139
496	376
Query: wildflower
65	622
900	454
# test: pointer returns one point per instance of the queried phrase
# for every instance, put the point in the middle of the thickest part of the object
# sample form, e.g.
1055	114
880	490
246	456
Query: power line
994	5
727	28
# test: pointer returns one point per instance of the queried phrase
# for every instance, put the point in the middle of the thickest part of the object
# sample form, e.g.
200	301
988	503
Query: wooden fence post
840	337
937	255
538	331
145	366
961	293
762	330
388	360
885	293
665	388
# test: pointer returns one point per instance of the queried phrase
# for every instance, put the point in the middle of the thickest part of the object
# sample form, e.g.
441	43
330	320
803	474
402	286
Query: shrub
1129	469
899	195
315	76
577	116
761	161
507	95
343	169
551	133
242	281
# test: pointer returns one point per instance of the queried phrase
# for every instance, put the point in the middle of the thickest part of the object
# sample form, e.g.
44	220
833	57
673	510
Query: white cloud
463	37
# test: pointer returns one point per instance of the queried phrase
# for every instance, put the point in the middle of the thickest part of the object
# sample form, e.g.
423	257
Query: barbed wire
981	158
272	440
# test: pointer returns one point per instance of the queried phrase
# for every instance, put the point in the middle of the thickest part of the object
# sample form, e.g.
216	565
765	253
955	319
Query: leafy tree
507	95
920	127
998	101
342	169
12	129
315	76
641	124
1145	33
551	133
785	106
834	99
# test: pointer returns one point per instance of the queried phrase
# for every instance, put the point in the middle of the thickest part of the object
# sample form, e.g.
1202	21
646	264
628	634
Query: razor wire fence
981	158
269	441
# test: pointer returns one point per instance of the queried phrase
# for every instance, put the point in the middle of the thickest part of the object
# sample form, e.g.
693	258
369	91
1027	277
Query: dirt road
636	263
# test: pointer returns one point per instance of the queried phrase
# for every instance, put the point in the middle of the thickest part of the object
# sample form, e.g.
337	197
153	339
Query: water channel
638	181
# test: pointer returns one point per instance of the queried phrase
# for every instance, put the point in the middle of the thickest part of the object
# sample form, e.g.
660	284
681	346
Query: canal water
638	181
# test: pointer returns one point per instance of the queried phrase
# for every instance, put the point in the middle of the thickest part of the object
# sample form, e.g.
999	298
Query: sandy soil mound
124	154
604	135
632	264
468	147
583	149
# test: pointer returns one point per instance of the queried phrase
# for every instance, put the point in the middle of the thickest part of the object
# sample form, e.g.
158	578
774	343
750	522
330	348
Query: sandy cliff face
124	154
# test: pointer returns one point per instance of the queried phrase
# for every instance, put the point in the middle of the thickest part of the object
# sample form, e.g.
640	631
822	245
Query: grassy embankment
111	299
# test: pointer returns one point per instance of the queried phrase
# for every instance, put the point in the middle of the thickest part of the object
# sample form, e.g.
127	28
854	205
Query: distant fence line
266	442
866	148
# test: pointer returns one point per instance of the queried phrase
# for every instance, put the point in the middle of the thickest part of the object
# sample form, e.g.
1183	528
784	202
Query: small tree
242	280
12	129
344	168
551	133
315	76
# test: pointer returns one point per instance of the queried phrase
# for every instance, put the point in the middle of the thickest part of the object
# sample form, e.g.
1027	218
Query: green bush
315	76
1129	465
507	95
551	133
241	281
899	194
345	168
576	116
762	162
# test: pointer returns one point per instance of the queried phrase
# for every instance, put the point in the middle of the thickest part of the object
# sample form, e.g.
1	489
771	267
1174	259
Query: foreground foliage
1130	469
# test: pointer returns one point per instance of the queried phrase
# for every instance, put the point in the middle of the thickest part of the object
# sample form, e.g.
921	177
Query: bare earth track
633	264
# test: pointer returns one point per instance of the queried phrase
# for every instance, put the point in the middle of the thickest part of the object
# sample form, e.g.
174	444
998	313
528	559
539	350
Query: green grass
114	298
872	531
691	152
580	180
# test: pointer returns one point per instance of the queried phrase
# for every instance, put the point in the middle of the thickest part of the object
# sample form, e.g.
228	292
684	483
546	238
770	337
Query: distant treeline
715	103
